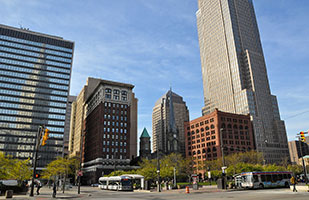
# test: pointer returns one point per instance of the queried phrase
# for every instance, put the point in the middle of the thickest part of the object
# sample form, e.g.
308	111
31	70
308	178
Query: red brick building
203	137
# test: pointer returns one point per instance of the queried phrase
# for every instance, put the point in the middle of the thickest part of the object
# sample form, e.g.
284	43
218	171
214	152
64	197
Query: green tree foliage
14	168
60	167
118	173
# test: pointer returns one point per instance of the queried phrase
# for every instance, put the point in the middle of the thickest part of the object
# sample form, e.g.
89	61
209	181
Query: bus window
285	176
263	178
289	175
275	177
268	177
255	178
280	177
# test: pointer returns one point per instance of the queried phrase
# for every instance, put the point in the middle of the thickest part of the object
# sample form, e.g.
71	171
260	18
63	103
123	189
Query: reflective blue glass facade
35	71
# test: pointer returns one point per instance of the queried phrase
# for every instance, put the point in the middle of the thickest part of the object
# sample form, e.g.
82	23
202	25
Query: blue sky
153	44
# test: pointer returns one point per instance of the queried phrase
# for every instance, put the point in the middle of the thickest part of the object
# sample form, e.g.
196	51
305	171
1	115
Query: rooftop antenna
20	25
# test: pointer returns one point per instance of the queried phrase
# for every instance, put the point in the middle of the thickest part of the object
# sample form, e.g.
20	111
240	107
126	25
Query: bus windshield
126	182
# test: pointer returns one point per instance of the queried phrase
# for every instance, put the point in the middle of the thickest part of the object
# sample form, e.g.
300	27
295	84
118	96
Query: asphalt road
89	193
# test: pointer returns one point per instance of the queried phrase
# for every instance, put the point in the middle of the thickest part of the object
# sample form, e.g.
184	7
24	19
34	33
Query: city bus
119	183
265	179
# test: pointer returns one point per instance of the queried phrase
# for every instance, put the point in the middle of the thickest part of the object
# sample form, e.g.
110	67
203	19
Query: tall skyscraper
234	71
168	117
35	72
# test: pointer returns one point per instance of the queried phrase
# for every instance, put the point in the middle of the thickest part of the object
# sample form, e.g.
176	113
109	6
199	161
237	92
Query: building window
108	96
108	90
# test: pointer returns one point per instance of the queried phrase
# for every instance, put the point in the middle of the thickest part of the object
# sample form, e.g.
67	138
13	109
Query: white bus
265	179
122	183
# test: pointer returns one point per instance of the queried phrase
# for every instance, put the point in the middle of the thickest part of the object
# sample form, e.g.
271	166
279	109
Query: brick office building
203	137
110	129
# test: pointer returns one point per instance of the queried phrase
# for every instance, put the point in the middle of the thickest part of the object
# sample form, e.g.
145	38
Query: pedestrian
54	190
38	187
293	182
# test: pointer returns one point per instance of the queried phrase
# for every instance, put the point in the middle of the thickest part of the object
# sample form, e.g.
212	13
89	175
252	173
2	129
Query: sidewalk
46	193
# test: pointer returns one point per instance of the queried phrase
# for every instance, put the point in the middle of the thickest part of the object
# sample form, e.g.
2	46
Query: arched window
202	129
208	150
192	132
235	127
229	126
204	150
197	131
223	125
214	149
241	127
212	126
194	152
198	152
246	127
207	128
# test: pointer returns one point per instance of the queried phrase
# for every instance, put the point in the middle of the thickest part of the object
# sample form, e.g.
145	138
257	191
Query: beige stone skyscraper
234	71
168	117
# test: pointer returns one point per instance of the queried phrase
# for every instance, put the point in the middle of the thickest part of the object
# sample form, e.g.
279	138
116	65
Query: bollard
187	190
8	194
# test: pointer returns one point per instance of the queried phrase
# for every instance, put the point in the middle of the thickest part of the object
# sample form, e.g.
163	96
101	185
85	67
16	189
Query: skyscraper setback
234	71
35	72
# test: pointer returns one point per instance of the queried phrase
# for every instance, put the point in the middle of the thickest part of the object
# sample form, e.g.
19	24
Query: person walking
294	182
38	187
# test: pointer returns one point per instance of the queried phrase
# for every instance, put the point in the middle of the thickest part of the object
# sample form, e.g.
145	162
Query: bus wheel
287	185
261	186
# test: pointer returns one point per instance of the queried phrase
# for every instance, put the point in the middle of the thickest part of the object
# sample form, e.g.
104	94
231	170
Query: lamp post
175	182
223	160
158	170
266	144
221	144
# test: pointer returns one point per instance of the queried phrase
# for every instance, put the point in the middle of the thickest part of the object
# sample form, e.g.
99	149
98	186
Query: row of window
115	105
33	83
35	43
234	120
114	130
32	114
28	120
32	101
33	95
113	117
34	77
114	150
36	60
38	55
108	123
35	66
39	50
114	143
34	71
32	108
23	127
34	89
114	136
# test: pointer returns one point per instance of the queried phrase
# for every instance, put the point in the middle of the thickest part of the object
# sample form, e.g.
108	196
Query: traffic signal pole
302	158
36	148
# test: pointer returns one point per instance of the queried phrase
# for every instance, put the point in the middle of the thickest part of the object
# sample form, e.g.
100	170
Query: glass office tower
35	72
234	71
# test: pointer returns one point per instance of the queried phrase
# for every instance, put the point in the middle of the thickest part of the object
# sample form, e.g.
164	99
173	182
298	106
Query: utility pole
221	144
36	148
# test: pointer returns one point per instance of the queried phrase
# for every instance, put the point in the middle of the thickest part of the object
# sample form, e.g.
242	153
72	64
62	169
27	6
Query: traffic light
45	137
37	175
302	136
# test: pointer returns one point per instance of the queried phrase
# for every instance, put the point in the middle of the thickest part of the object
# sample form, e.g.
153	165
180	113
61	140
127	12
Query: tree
14	168
61	167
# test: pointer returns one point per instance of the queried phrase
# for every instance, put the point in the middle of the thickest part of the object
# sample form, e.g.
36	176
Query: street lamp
223	161
175	182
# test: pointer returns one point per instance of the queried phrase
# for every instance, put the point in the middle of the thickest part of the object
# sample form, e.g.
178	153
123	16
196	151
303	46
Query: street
204	193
